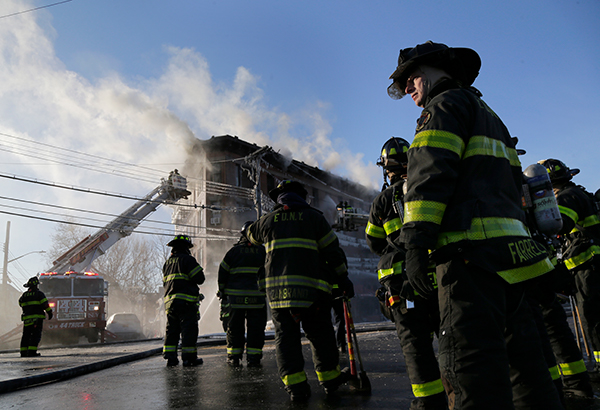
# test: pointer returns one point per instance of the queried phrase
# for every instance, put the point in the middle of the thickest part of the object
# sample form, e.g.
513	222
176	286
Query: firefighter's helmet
181	241
244	229
462	64
288	186
32	282
557	170
393	155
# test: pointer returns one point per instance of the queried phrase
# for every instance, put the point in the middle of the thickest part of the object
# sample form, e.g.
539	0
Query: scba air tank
543	200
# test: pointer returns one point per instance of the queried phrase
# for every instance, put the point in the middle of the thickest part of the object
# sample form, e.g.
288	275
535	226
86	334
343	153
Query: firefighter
297	238
580	246
35	307
181	277
463	201
416	319
238	278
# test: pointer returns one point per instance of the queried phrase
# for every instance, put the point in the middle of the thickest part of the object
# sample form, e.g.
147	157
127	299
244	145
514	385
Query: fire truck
77	296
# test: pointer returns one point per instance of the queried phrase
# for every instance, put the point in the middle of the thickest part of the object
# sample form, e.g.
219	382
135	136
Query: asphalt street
134	376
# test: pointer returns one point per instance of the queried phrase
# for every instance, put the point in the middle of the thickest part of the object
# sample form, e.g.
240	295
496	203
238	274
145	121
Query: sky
107	95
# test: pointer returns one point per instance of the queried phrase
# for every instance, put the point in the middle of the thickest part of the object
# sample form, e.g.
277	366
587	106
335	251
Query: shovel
359	381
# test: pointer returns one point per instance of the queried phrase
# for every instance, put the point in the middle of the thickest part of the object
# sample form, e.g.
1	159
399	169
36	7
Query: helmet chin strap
393	177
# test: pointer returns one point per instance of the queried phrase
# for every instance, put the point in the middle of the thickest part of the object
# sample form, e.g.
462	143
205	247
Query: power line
122	196
215	237
34	9
98	213
67	157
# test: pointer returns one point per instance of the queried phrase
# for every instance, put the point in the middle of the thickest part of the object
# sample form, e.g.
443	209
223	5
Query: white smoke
153	120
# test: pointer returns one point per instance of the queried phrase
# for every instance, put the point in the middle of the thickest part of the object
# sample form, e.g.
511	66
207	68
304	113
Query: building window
270	183
242	179
215	173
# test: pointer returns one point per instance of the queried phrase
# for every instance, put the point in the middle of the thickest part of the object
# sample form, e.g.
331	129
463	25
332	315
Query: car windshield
126	319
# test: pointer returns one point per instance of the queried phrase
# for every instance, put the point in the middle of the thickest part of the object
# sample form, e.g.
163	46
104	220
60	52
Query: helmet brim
180	243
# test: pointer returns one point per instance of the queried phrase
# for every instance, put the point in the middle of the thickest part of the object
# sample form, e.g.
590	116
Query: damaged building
229	180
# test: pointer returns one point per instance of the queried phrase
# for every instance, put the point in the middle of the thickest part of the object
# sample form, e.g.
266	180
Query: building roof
295	168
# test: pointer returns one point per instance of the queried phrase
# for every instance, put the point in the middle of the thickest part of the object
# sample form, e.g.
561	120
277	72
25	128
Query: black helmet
245	228
32	282
181	241
288	186
393	154
557	170
462	64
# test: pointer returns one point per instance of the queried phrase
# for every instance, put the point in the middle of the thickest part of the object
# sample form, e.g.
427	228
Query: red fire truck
78	297
78	301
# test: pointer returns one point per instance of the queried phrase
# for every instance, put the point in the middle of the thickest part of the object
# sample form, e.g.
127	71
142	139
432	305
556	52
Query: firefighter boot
192	362
299	392
434	402
253	361
332	385
172	361
233	361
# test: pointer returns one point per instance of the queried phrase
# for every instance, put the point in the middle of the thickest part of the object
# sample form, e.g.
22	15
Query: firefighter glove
49	312
347	287
407	292
417	263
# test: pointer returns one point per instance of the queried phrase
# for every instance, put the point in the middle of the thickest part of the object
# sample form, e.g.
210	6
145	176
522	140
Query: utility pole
5	270
258	198
5	266
253	160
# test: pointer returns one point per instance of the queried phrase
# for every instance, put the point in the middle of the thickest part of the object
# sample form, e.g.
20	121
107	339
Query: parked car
125	326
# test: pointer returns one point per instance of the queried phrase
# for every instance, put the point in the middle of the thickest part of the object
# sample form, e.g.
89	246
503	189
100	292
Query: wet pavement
134	376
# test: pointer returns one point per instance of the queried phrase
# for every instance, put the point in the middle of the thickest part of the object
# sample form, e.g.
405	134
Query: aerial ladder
349	218
80	257
77	296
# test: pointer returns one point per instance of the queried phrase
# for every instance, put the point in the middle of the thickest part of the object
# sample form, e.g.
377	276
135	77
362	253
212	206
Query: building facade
229	180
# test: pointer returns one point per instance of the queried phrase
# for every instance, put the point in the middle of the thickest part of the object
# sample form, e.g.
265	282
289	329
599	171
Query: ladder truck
77	296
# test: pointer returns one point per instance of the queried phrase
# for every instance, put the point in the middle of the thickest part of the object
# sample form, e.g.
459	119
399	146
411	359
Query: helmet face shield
395	91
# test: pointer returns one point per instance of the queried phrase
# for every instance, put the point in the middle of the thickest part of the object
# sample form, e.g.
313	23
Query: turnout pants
32	335
182	320
551	363
255	320
490	351
415	327
587	283
317	326
564	346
